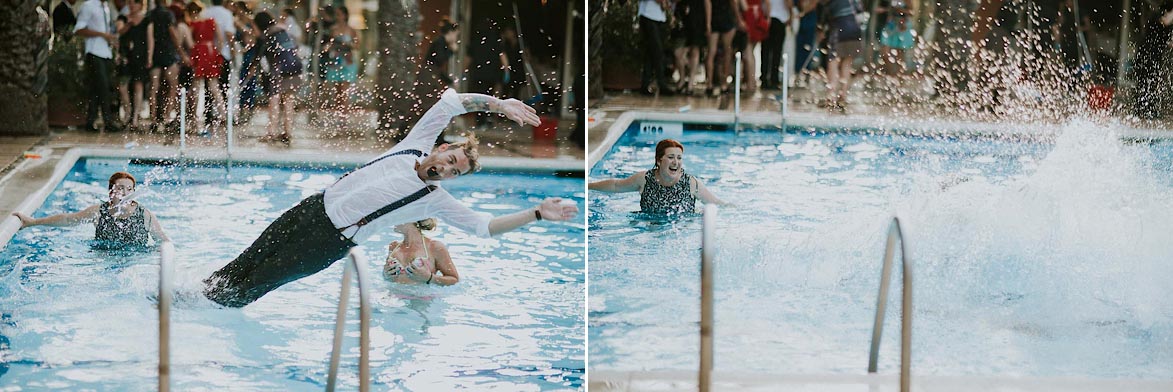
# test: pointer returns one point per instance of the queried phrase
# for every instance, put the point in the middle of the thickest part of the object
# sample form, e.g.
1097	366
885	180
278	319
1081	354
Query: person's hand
419	274
112	39
554	210
25	220
520	112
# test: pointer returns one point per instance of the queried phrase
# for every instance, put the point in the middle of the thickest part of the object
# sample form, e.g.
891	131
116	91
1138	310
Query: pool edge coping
922	126
10	225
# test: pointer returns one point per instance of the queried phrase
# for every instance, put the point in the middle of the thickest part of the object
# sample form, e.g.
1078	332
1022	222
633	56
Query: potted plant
66	86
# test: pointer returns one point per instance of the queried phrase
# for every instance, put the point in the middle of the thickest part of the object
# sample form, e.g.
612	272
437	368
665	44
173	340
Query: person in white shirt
652	24
226	28
291	27
95	24
400	186
772	46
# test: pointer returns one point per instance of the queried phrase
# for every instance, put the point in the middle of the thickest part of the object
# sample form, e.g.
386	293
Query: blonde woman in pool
418	259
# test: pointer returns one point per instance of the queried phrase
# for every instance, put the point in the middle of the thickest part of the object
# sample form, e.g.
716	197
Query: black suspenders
417	153
396	204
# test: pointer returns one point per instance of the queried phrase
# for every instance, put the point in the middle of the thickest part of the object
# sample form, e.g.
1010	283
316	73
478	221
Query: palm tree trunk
24	49
398	22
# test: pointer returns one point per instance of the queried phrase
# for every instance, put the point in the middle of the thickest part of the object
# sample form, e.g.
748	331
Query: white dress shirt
224	24
368	189
651	9
779	11
95	16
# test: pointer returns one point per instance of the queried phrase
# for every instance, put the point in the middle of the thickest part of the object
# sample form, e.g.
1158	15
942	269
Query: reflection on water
1033	257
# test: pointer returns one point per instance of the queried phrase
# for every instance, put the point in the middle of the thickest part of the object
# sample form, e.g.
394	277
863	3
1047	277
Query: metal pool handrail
785	89
736	92
166	261
895	233
354	263
708	253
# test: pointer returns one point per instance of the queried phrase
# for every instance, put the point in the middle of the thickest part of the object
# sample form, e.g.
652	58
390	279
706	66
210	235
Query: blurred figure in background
342	60
276	46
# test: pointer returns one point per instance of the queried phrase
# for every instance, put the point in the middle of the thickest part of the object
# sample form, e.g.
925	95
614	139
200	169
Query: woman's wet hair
426	224
663	146
118	176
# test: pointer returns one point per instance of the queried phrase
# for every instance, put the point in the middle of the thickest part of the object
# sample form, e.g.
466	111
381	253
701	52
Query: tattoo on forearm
477	102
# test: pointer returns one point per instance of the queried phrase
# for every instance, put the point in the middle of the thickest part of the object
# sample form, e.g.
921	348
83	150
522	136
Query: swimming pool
74	318
1043	255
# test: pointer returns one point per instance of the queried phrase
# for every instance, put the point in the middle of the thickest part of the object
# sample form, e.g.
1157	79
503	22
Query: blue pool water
74	318
1046	256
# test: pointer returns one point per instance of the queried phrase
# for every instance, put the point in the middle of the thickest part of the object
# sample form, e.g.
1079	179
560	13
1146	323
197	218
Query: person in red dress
205	59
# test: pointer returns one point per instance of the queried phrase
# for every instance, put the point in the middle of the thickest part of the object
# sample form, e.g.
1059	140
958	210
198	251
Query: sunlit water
1040	258
81	319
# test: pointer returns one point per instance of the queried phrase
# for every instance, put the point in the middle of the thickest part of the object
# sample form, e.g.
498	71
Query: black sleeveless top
658	199
129	231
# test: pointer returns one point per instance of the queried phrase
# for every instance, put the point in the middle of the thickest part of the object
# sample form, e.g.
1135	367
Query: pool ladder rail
708	253
895	234
166	268
354	265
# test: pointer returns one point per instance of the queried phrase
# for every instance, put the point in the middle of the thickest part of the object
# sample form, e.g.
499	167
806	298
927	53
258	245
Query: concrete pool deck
504	146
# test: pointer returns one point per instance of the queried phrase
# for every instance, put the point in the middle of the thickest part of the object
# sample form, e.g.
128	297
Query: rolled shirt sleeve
423	135
83	18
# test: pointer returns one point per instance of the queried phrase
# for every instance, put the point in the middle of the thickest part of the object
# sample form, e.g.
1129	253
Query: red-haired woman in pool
666	188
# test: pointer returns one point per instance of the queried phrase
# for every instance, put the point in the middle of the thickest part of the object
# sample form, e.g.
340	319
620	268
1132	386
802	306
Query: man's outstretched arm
424	133
551	209
512	109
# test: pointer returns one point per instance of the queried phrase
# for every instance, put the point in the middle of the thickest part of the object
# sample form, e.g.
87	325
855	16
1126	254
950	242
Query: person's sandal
267	138
284	138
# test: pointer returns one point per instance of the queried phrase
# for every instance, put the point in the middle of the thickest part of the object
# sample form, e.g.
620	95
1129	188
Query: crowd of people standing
830	36
138	53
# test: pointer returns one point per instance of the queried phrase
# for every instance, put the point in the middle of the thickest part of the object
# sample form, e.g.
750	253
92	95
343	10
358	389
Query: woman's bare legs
747	66
124	95
694	57
710	59
727	57
287	114
218	101
845	70
137	103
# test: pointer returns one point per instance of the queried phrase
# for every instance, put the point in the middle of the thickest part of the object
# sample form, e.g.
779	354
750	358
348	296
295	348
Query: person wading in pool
666	189
397	187
419	259
118	223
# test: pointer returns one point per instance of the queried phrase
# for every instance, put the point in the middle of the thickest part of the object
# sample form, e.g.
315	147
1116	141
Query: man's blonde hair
470	150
